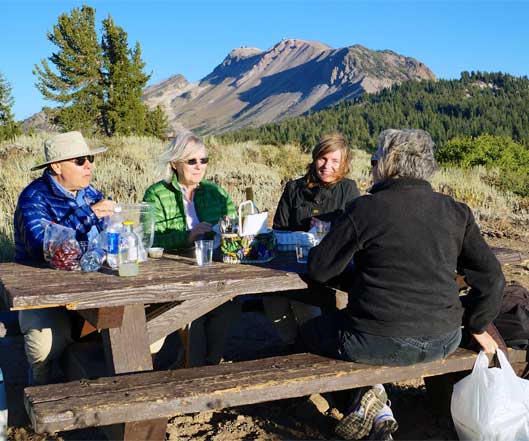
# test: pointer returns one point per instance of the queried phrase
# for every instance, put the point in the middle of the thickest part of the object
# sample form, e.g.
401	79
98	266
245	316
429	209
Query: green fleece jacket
170	231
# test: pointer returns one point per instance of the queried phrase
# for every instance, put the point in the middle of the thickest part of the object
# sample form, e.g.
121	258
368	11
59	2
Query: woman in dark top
323	193
407	242
319	196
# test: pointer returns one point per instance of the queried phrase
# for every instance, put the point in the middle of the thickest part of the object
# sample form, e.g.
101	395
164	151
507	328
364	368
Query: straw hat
64	146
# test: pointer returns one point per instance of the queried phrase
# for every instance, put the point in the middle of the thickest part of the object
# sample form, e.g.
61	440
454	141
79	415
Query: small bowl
155	252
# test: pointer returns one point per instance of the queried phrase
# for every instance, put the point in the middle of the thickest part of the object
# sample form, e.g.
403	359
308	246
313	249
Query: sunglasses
194	161
82	159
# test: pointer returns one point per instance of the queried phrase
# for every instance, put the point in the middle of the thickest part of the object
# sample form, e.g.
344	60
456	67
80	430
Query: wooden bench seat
150	395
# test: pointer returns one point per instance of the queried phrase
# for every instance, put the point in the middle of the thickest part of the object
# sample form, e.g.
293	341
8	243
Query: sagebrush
129	167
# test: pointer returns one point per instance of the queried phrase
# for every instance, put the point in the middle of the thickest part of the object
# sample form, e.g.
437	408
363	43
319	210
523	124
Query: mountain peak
243	52
253	87
176	81
295	43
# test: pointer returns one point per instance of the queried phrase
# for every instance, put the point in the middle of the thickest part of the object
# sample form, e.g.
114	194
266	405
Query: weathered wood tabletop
172	278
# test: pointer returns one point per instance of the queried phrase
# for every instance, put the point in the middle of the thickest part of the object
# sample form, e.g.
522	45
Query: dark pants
331	335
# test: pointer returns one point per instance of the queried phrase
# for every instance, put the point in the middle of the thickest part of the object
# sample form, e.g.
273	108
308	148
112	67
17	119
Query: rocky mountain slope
251	87
39	122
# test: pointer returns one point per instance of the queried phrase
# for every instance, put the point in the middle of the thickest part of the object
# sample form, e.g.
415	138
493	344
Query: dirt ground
294	419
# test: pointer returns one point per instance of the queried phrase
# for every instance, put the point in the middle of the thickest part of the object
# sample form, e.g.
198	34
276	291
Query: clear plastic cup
302	252
322	228
204	252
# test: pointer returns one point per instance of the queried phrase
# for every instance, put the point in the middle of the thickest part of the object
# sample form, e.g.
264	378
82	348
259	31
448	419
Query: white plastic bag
3	409
491	404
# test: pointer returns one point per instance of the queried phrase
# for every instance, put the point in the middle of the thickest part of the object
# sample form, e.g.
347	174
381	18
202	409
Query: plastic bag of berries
61	249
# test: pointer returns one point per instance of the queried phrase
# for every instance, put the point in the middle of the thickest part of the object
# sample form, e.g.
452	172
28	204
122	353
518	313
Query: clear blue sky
192	37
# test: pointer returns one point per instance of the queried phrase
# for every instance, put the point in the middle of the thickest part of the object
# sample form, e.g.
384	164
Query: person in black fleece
406	242
320	196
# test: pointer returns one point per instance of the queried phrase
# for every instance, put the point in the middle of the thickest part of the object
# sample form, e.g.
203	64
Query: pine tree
98	85
8	127
125	113
77	85
156	123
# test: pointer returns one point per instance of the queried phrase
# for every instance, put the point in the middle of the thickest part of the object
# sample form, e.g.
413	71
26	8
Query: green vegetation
478	103
98	85
480	119
8	127
492	152
128	167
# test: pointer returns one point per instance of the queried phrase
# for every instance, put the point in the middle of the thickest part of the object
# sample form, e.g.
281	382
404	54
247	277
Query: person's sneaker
358	422
384	425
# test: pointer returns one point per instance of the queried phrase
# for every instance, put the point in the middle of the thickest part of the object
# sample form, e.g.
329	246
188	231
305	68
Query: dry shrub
129	167
473	187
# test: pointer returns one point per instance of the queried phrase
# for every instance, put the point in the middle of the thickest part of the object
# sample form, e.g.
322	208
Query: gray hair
405	153
181	147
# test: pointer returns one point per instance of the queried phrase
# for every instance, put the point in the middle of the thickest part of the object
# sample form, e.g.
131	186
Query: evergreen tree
98	85
156	123
77	84
8	127
125	113
477	104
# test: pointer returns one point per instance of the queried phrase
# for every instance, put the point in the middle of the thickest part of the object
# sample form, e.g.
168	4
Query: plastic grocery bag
3	409
491	404
61	249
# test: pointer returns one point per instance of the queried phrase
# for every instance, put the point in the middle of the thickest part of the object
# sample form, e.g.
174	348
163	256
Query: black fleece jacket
407	242
298	204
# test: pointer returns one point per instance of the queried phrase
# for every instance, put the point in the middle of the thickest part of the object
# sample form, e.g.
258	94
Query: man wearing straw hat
62	194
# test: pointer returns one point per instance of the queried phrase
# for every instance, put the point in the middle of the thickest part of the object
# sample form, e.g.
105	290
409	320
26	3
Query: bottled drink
114	228
128	251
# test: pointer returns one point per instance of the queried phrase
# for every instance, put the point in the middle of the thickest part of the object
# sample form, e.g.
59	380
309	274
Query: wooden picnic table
116	305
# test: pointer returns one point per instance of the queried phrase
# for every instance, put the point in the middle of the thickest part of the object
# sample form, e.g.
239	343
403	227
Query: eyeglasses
194	161
82	159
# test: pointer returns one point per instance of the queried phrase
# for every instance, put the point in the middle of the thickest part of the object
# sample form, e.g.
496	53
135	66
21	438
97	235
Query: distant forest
477	104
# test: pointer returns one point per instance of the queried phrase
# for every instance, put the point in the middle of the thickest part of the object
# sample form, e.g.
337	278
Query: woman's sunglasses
82	159
194	161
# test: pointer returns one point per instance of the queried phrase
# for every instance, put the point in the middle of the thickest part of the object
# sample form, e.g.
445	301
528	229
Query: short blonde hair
184	145
407	153
327	144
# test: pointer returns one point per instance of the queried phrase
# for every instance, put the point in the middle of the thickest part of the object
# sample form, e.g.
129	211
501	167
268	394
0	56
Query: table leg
127	350
127	347
184	337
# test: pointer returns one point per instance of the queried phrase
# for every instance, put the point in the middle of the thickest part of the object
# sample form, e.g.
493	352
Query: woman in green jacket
186	207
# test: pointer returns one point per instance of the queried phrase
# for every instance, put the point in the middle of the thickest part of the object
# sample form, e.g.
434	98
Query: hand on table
103	208
487	343
199	230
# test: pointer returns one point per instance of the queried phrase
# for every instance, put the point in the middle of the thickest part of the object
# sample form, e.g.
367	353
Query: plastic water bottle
3	409
129	251
115	227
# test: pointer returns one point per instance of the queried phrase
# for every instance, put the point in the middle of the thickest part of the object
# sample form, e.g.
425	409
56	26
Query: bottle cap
128	223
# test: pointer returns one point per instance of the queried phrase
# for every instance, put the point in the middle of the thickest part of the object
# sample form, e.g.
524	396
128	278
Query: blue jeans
331	335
